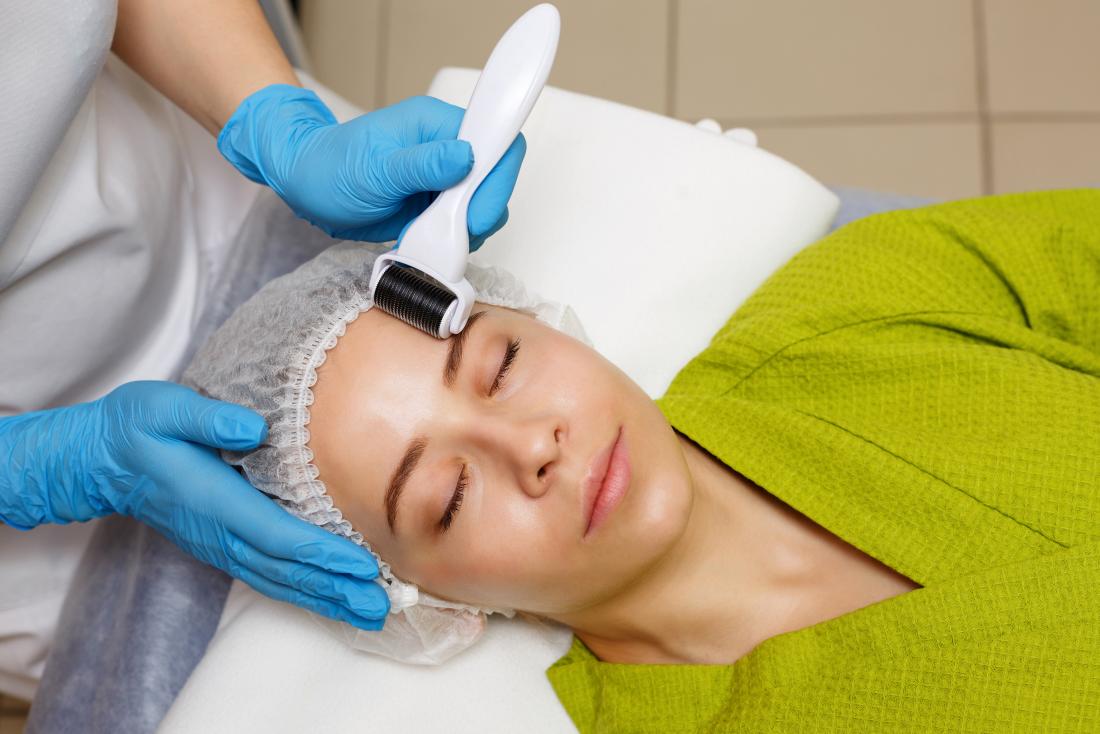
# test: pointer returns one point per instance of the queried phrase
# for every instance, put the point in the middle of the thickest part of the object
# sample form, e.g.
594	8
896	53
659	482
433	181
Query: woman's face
495	448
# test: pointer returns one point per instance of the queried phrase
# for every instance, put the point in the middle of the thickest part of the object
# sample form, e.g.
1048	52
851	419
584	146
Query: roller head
416	299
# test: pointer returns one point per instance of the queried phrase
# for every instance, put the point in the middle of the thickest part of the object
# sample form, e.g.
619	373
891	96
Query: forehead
377	385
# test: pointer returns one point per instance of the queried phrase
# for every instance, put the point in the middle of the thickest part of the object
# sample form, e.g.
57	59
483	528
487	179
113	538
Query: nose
532	449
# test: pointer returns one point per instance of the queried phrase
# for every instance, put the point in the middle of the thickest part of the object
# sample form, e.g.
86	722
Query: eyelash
456	500
464	477
509	357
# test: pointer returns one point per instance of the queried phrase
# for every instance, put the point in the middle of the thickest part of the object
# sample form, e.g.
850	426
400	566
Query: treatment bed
149	637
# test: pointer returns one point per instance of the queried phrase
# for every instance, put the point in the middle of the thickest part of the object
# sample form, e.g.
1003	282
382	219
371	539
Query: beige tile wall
942	98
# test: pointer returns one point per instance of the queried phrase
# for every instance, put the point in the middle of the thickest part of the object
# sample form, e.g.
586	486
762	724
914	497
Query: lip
607	481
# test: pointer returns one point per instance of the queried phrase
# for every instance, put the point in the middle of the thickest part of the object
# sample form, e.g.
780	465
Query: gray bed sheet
141	613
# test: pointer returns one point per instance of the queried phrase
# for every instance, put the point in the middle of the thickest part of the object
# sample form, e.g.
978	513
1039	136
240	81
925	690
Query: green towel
925	384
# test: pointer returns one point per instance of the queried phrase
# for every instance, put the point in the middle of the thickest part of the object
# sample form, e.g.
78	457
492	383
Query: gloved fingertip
456	158
462	151
376	609
337	555
363	600
479	232
383	607
239	428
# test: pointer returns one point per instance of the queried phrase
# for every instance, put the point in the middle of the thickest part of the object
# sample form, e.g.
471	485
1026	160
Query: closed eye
456	501
505	365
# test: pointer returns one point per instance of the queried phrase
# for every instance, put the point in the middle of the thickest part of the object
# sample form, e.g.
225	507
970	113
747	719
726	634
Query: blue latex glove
367	178
144	451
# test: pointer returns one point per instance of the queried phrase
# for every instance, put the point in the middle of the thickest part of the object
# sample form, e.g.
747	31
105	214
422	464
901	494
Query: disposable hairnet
265	356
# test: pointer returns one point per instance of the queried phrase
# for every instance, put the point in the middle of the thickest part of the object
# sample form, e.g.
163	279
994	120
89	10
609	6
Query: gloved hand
367	178
144	450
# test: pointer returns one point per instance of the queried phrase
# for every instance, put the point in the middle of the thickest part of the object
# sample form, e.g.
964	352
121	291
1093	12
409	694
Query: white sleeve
50	53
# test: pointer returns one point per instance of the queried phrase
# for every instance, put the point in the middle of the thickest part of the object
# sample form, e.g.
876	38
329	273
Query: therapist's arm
364	179
204	55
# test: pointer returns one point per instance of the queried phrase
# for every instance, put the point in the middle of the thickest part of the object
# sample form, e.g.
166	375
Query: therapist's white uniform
115	211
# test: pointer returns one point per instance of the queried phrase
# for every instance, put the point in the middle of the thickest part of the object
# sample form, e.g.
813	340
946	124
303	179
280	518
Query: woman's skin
695	564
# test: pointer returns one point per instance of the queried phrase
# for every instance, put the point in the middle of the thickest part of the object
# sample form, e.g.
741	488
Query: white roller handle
512	80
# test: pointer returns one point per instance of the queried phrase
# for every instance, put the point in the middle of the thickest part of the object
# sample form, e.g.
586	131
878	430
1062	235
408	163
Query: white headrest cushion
645	225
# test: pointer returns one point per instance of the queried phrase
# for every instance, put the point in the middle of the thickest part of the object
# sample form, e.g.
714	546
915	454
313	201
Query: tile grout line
902	118
381	37
981	68
1051	117
672	48
910	118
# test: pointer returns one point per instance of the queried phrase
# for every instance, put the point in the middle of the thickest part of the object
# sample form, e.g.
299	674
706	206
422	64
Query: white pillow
272	668
645	225
650	228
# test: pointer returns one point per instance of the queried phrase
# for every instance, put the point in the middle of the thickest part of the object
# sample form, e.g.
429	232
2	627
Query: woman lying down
872	503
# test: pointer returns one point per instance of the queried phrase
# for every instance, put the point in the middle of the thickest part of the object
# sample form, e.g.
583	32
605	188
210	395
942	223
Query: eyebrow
401	476
454	354
418	444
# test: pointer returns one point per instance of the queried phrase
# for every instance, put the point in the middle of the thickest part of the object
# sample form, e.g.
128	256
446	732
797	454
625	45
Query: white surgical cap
265	357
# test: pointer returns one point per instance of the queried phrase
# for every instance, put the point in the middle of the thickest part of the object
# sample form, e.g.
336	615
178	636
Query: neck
736	576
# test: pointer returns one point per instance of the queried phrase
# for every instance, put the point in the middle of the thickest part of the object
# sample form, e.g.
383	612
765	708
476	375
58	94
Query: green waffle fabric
925	384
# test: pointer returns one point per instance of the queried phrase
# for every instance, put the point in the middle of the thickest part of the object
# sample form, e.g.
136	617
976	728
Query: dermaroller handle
512	79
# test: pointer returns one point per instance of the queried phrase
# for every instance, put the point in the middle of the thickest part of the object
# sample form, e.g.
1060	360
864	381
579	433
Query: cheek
499	567
580	385
512	553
